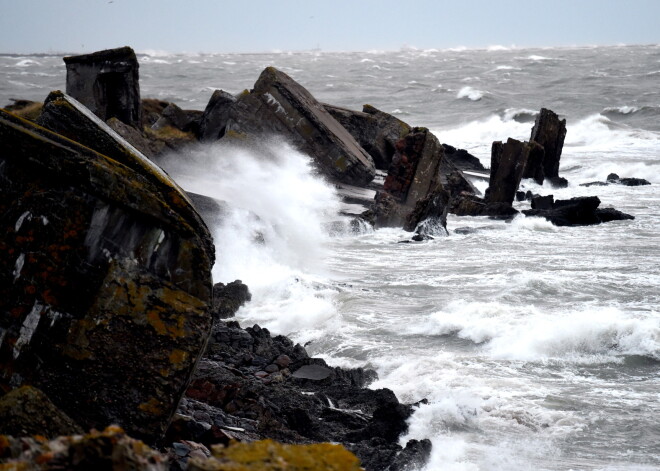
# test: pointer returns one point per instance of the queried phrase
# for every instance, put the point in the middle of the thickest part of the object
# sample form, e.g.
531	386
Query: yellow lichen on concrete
152	406
267	455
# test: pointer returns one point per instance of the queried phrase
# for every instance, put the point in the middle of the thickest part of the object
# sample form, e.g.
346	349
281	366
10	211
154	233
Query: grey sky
332	25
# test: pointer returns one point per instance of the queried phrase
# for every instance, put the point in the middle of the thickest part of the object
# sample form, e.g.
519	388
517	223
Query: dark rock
612	177
227	299
611	214
543	202
520	196
549	131
27	411
213	123
430	214
506	169
414	170
105	280
376	453
582	211
172	115
152	110
534	165
149	147
106	82
26	109
280	106
414	456
594	184
376	131
558	182
64	115
462	159
455	182
385	211
633	181
470	205
313	372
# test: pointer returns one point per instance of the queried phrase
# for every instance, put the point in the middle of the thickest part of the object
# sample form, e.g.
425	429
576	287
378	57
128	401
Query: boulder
414	456
279	106
66	116
105	280
581	211
415	168
429	216
213	123
534	166
28	411
543	202
376	131
183	120
614	179
106	82
149	147
548	131
462	159
506	169
228	298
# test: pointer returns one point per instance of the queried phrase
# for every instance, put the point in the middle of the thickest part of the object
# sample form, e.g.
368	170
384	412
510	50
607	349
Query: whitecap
497	47
535	57
470	93
26	63
621	109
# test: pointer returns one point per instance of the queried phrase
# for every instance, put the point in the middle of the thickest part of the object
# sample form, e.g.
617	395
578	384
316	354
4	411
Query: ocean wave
274	235
470	93
26	63
535	57
522	115
589	336
497	47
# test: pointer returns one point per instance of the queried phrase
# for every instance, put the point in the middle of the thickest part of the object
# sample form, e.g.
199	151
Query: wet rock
414	456
312	372
183	120
228	298
149	147
507	164
462	159
25	109
105	280
376	131
581	211
557	182
548	131
471	205
64	115
430	214
520	196
110	449
213	123
614	179
385	211
415	167
28	411
543	202
106	82
534	166
280	106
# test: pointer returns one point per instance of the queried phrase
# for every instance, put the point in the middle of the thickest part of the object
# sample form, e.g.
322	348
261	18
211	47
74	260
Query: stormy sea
536	346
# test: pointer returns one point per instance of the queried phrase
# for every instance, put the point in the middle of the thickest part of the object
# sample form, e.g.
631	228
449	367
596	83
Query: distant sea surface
537	347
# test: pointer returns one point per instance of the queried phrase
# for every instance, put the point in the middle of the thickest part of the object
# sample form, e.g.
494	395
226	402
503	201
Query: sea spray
274	233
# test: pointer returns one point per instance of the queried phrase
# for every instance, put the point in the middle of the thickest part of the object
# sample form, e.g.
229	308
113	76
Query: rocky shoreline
109	315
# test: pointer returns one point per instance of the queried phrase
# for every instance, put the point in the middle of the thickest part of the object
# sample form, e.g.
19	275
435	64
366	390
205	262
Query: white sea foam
621	109
535	57
470	93
273	236
527	334
26	63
